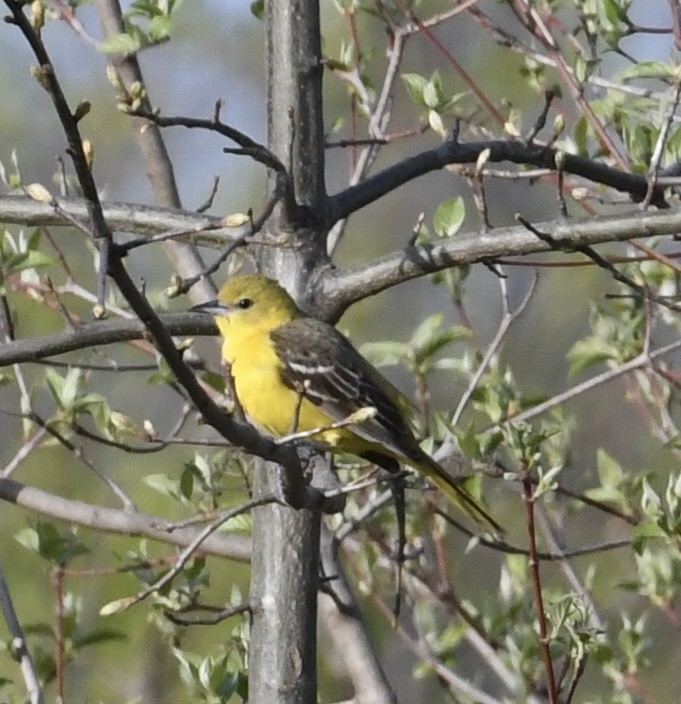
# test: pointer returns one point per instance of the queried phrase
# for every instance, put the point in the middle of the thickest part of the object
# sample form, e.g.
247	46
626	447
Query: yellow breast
265	399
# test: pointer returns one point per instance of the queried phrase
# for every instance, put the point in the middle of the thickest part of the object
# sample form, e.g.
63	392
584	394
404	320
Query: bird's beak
213	307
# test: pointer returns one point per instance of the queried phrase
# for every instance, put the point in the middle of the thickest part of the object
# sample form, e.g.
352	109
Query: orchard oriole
293	373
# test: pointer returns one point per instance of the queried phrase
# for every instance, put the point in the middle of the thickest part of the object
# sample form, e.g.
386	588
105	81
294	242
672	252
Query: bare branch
18	643
124	522
103	332
453	152
342	288
346	628
123	217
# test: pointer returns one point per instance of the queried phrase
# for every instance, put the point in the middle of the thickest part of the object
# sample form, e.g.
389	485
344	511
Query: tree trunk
284	581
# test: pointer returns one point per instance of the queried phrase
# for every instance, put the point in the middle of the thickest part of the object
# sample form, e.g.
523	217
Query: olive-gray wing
323	365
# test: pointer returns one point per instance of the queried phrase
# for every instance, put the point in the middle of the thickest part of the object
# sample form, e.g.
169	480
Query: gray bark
284	578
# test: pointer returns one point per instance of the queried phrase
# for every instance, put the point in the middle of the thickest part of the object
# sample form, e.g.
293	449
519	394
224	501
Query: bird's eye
245	303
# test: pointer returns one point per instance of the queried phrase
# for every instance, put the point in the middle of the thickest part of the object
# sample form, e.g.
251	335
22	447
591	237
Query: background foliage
556	373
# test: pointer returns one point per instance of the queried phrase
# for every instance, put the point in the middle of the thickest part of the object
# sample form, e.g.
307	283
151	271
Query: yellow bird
293	373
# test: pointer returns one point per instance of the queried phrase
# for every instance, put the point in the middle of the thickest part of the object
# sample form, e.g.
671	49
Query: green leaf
643	533
581	136
28	537
416	85
99	636
159	27
28	260
187	482
164	375
39	629
430	95
215	381
615	11
50	544
163	484
258	9
425	330
649	69
588	352
640	141
243	523
469	442
122	43
609	470
650	500
71	385
55	384
437	342
449	217
436	124
546	481
386	353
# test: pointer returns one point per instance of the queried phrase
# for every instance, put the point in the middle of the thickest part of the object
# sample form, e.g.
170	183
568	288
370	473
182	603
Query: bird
296	374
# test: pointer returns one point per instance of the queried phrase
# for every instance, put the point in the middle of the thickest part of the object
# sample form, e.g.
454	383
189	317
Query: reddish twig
528	496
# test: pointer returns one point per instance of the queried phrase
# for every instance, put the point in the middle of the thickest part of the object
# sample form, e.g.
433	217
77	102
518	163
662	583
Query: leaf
615	13
187	483
650	500
51	545
609	470
28	537
116	606
163	484
430	95
643	533
385	354
649	69
55	384
436	124
70	389
416	85
39	193
546	481
122	43
258	9
449	217
159	27
28	260
243	523
425	330
101	635
215	381
236	219
580	134
438	341
588	352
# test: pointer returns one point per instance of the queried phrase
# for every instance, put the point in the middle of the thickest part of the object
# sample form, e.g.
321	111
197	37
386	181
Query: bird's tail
456	493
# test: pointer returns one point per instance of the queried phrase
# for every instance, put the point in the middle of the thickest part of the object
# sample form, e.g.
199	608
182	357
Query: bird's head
250	301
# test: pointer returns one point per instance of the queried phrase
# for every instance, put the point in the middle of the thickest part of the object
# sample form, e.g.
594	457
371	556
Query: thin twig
602	262
193	546
217	617
544	642
19	648
507	320
24	451
78	452
59	636
658	152
633	364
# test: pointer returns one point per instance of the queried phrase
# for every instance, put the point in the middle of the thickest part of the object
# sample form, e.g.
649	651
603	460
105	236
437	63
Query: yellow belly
270	404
